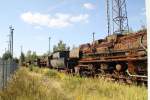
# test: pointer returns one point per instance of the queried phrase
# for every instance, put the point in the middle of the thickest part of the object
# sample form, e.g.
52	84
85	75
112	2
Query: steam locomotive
121	56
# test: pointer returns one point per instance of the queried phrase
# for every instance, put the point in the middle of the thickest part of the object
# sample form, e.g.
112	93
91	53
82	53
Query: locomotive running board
111	60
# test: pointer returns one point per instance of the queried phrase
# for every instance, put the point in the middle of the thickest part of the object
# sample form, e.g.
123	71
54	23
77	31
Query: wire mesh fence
7	68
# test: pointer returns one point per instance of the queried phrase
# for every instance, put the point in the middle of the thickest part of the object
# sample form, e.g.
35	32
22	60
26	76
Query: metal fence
7	68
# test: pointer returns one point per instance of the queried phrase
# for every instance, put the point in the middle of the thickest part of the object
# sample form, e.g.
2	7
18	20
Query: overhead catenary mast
119	17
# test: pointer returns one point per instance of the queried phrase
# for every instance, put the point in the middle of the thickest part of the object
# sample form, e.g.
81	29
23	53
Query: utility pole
9	44
11	40
49	44
21	48
20	61
93	37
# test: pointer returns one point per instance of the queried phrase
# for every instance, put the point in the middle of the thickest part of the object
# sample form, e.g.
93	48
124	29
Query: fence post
6	73
7	68
3	75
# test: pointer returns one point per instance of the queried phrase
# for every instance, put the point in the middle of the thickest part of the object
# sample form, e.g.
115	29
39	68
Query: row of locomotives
122	57
59	60
41	61
55	60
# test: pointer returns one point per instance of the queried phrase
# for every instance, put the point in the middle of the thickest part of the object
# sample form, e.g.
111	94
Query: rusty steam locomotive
121	56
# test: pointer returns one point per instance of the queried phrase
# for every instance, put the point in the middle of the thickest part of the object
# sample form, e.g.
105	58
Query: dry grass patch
46	84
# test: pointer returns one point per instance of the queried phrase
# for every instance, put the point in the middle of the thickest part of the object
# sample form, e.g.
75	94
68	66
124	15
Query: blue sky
72	21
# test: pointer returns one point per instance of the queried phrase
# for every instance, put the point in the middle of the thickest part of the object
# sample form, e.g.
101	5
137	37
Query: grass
45	84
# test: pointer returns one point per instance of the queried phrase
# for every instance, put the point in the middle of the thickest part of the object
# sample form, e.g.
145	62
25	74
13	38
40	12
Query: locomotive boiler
121	56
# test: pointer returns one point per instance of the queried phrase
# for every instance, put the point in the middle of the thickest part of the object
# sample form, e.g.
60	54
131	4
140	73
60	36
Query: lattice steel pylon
119	17
108	16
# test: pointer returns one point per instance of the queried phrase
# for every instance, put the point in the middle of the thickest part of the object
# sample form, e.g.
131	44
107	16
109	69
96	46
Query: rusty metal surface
74	53
129	45
85	48
111	60
114	43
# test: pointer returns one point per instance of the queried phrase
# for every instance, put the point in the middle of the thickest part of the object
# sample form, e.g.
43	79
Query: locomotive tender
121	56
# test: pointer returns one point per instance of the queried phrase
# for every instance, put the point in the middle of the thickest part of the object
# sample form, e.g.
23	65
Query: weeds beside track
45	84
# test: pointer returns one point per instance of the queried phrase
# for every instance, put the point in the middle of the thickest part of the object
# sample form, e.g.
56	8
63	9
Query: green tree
7	55
16	60
33	56
60	46
22	58
28	55
55	48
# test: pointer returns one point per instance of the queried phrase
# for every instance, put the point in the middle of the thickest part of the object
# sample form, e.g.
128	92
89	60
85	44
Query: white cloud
79	18
59	20
40	38
38	27
89	6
